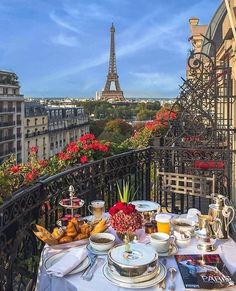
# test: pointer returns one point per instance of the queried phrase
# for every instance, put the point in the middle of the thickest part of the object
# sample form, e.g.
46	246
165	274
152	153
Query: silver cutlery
87	275
173	272
163	283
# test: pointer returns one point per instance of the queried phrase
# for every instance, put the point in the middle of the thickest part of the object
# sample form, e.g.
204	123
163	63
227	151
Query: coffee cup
97	208
161	241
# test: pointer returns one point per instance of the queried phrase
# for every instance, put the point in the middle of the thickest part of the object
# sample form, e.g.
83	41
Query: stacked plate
137	268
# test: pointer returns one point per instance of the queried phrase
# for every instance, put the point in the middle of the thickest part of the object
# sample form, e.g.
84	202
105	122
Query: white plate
170	253
145	205
139	285
95	252
56	258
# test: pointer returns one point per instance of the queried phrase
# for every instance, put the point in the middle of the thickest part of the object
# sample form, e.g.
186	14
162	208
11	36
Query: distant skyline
61	47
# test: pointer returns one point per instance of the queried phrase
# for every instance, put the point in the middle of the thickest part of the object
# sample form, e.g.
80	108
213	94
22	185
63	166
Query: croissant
70	229
58	233
65	239
80	236
44	235
76	224
100	227
85	229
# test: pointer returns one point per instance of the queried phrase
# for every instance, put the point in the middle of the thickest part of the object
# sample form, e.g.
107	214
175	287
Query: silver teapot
208	232
223	212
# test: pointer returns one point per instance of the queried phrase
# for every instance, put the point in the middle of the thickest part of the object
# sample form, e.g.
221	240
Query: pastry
100	227
70	229
58	233
81	236
65	239
85	229
44	235
76	224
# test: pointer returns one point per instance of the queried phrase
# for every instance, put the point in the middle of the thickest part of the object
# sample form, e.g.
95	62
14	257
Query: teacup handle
89	209
172	238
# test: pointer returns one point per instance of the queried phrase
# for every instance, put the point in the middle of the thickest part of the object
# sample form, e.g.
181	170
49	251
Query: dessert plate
172	251
95	252
57	257
140	285
145	205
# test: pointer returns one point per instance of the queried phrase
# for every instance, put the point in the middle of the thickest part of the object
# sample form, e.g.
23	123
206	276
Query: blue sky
61	47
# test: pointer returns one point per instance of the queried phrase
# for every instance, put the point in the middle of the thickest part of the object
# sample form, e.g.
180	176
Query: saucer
172	251
95	252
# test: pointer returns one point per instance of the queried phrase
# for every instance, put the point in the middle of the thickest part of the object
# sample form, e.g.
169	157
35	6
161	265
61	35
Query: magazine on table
204	271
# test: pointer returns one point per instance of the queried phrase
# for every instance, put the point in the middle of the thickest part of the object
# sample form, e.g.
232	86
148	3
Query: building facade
64	126
11	117
36	130
221	31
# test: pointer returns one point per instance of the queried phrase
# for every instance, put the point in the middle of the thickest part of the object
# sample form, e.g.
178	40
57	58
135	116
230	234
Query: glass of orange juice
163	222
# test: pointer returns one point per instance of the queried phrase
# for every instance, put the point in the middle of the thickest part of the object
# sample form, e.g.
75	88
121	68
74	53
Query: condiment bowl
102	241
184	240
183	225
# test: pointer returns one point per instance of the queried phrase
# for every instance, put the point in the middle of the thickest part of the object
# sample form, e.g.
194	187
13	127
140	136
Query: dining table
225	248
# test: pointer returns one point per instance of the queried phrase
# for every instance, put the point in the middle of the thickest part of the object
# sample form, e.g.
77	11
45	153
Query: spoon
172	271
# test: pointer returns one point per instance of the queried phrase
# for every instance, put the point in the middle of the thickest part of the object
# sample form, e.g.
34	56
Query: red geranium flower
29	177
72	147
64	157
43	163
34	150
87	136
113	210
15	169
83	159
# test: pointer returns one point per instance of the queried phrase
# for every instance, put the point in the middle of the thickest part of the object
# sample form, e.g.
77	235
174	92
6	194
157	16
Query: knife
92	258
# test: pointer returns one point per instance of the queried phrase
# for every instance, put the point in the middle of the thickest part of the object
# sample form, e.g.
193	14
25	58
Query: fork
93	269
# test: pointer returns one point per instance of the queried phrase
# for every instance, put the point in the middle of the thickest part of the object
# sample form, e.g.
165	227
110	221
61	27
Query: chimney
193	21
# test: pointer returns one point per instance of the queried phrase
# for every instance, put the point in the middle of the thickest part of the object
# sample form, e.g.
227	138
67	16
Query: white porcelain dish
95	252
57	257
146	206
139	285
102	246
183	224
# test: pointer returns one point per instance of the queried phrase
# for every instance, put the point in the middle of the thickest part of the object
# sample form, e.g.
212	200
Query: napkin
68	262
230	256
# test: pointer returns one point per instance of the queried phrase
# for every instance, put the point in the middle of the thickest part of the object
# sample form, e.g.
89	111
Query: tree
119	126
97	126
146	114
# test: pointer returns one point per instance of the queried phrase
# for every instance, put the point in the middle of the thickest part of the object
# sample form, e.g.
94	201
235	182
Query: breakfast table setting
136	246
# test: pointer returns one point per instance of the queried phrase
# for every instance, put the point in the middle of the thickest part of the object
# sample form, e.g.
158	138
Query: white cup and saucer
163	244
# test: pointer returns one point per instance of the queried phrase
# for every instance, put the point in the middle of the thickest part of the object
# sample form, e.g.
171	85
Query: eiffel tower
115	94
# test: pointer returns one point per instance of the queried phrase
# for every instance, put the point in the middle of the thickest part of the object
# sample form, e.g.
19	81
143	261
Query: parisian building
11	117
36	130
65	124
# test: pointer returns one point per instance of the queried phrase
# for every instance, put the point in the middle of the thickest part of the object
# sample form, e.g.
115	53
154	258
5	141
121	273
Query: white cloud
62	23
66	40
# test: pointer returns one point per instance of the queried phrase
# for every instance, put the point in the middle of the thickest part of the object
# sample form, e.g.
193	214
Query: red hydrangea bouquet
124	218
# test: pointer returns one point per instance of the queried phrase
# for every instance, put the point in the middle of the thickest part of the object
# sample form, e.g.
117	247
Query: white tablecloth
100	283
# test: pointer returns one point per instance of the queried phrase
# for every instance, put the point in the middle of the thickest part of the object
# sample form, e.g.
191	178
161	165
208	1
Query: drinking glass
97	208
163	223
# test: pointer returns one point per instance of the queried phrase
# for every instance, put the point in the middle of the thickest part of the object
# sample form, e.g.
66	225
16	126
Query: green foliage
125	193
146	114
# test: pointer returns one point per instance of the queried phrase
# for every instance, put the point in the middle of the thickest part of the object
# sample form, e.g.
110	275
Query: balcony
7	123
7	152
7	110
33	134
7	138
95	180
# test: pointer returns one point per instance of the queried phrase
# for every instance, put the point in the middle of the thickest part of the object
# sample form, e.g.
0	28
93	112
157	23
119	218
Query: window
28	122
36	121
28	145
43	120
36	142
